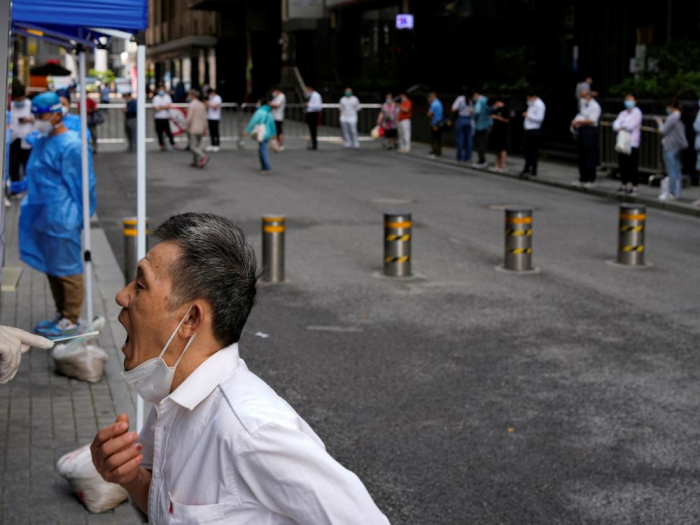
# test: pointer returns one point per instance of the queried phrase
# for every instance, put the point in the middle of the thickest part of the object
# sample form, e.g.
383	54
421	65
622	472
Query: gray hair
216	265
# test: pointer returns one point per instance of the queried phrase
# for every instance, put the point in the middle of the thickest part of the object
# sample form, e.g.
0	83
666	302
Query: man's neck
202	348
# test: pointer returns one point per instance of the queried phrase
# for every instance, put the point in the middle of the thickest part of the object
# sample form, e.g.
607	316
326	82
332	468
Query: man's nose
123	297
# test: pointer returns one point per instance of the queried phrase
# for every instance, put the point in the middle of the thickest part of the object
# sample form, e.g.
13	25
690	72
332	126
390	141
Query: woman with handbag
628	126
262	128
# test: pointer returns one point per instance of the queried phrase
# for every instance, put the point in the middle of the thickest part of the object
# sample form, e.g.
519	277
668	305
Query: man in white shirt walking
219	446
314	106
161	106
21	125
213	118
533	119
586	125
278	105
349	106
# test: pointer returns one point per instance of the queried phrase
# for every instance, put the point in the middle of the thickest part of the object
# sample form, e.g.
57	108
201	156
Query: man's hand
115	454
13	343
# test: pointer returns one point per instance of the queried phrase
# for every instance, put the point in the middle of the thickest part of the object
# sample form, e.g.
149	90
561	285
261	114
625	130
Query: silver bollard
630	246
273	248
397	244
131	260
518	239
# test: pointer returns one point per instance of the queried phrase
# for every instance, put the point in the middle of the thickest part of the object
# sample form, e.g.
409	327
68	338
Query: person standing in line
629	121
161	106
499	135
94	119
278	105
673	141
387	120
436	114
696	127
21	125
130	121
104	94
314	106
404	118
262	127
349	107
196	125
464	108
51	215
214	118
586	124
482	126
533	119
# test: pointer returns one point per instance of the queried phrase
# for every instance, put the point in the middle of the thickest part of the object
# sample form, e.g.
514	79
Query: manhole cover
501	207
391	201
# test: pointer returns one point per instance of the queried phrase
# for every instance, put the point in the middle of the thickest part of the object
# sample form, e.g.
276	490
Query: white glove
13	343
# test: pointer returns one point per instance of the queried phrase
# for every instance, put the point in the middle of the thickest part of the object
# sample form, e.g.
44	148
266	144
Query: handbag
259	132
623	144
96	118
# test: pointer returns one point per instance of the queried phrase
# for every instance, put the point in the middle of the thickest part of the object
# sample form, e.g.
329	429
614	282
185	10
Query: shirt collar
206	377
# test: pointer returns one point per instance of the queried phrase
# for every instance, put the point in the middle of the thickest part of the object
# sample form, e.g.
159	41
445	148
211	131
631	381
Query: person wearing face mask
387	120
196	125
161	106
532	122
482	126
314	106
21	125
72	121
219	445
404	118
278	105
51	214
586	124
629	121
349	107
674	141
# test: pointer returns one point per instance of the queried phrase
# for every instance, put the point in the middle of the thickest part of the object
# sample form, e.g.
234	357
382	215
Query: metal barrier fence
650	149
234	120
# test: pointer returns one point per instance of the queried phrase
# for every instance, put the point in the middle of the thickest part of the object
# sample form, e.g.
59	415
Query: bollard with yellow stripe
273	229
397	244
630	246
518	253
131	260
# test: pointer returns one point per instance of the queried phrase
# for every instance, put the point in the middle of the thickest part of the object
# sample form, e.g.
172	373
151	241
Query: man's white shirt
535	115
160	101
315	102
224	448
214	113
589	110
349	106
281	102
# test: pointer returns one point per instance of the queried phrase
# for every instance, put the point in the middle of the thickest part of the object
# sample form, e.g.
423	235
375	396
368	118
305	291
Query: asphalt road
464	395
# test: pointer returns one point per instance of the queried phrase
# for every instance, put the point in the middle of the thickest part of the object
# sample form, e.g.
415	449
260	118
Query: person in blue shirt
71	120
51	214
436	115
130	121
263	129
482	125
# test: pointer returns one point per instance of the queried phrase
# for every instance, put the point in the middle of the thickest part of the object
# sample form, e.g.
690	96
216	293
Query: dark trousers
480	141
93	132
436	140
163	126
130	129
312	121
18	160
532	150
463	129
214	131
587	153
629	167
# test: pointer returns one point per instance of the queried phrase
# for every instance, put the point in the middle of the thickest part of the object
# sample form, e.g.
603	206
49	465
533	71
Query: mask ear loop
172	336
185	350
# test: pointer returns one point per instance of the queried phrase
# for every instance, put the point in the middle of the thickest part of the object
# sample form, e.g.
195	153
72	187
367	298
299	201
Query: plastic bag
82	358
94	492
623	144
259	132
377	132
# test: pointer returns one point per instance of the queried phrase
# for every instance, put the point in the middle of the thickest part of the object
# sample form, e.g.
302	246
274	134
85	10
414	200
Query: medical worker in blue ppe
51	215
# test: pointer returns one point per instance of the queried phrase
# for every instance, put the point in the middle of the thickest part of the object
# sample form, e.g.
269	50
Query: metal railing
650	149
234	120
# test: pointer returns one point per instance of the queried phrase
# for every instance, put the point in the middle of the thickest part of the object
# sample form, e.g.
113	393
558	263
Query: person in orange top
404	118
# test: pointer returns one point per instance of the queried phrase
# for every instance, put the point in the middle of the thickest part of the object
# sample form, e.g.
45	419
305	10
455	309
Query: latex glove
13	343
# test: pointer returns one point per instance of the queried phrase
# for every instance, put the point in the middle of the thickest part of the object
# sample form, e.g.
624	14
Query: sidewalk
562	175
43	415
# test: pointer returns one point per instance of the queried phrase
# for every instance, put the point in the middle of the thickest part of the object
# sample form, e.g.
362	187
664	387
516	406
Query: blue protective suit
51	214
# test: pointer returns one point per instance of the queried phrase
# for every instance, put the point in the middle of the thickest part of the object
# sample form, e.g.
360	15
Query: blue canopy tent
78	25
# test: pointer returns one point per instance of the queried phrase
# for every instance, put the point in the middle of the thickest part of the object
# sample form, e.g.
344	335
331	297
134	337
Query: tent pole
86	183
4	65
140	175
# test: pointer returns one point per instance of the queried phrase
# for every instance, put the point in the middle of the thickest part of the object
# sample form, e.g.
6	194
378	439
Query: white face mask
153	379
44	127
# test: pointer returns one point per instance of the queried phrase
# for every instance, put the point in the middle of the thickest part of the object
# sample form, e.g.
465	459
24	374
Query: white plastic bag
94	492
82	358
623	144
259	132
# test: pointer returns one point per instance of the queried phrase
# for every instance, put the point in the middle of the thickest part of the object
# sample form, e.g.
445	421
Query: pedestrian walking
585	126
696	127
51	215
532	122
463	107
499	135
314	106
628	126
21	125
482	126
436	115
130	121
213	104
196	125
387	119
262	128
673	141
94	119
161	105
404	119
278	105
349	107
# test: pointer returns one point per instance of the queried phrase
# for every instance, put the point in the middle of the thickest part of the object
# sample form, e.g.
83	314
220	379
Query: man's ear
194	322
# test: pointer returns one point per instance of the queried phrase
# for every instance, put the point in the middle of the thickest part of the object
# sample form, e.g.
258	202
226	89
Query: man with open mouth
219	446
